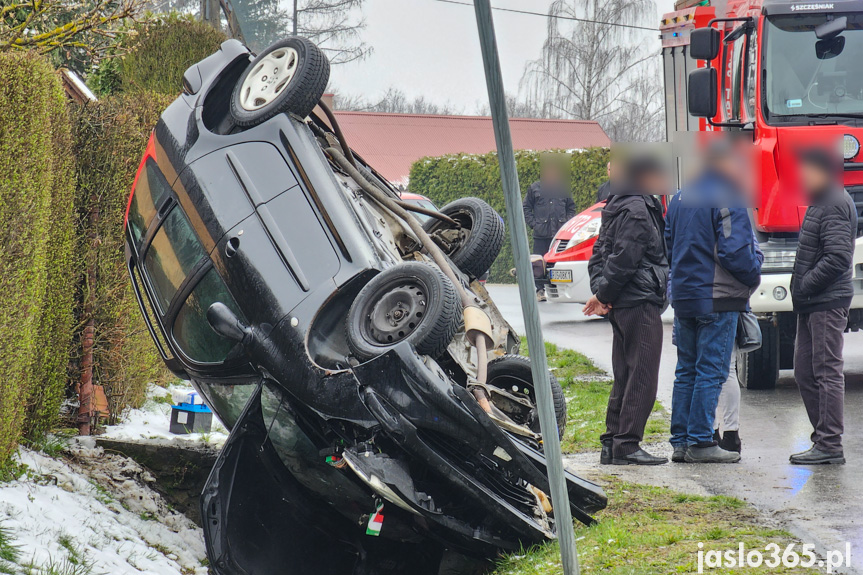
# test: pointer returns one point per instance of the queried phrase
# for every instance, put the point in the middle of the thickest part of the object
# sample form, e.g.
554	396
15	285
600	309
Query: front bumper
576	292
765	300
773	295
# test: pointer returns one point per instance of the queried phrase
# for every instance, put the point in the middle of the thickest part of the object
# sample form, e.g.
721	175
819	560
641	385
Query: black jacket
629	265
823	268
547	209
604	191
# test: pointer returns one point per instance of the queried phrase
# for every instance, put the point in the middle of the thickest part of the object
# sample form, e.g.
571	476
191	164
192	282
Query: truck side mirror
702	93
704	44
225	323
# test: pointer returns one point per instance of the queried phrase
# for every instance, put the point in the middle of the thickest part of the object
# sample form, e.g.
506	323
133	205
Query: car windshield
811	77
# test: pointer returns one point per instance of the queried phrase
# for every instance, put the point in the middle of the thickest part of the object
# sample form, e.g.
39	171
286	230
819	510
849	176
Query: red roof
391	143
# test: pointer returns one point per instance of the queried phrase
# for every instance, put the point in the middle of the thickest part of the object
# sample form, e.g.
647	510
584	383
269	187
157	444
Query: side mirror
702	93
704	44
225	323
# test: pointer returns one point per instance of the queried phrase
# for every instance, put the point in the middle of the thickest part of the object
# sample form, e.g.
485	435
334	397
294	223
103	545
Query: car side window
150	190
193	333
172	255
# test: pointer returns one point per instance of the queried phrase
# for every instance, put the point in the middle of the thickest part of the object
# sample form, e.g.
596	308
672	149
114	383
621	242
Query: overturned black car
380	419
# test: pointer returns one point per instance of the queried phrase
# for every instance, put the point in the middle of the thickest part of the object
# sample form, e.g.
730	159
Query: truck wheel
473	246
759	369
413	302
512	374
288	77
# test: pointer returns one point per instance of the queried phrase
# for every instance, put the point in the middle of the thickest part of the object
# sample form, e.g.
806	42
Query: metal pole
295	17
527	291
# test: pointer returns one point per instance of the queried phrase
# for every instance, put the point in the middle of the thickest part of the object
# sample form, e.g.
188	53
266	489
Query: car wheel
288	77
512	374
475	244
413	302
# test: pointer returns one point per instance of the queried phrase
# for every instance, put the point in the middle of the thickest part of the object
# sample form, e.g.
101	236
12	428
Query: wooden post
88	338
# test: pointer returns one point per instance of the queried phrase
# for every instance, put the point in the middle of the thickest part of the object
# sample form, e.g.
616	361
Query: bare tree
395	101
639	118
599	67
85	26
334	25
516	108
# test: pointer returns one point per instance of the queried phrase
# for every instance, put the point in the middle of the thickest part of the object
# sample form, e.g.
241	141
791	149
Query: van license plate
561	276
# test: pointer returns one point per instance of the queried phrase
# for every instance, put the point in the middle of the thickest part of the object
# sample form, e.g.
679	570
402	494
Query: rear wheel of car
288	77
512	375
475	243
413	302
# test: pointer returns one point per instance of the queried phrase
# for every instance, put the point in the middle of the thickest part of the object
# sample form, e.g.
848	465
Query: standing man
715	270
604	190
821	291
628	275
547	206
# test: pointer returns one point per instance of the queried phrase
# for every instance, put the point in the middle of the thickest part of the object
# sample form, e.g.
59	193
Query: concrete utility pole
211	13
524	272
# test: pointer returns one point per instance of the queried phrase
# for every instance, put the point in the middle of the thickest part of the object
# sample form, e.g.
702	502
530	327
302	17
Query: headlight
778	260
850	147
588	231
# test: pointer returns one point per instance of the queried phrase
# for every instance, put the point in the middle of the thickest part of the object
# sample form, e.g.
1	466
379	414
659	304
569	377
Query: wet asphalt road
821	505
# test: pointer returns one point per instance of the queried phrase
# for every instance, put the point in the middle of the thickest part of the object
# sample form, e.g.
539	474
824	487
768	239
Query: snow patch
99	504
151	423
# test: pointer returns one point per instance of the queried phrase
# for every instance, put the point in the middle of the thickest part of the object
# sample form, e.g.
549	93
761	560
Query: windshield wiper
835	118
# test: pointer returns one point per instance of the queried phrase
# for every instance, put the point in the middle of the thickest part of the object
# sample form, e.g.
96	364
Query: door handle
233	247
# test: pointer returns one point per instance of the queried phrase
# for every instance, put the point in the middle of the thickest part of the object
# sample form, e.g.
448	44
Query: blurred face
814	179
551	173
654	184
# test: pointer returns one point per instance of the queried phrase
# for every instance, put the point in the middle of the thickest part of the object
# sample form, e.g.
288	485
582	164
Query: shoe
716	437
605	456
712	454
540	295
815	456
679	455
640	457
731	441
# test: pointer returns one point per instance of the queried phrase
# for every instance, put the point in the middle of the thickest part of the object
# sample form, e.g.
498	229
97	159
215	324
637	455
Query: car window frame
168	317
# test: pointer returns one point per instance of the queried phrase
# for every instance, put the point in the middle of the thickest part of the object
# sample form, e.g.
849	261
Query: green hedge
110	138
153	57
447	178
36	262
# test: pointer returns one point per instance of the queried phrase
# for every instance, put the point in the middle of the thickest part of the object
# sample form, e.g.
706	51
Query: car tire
485	230
514	370
301	73
411	301
759	369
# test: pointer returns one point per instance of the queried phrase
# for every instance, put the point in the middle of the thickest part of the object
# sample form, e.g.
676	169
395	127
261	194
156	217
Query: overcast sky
426	47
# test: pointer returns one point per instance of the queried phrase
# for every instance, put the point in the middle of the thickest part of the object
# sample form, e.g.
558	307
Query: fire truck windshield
808	77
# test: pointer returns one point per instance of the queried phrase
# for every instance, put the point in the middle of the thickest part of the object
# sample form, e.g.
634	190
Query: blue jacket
711	249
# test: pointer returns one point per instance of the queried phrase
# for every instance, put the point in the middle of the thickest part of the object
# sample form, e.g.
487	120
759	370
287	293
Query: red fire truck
788	72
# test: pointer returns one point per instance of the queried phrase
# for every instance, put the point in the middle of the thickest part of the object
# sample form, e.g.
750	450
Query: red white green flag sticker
376	521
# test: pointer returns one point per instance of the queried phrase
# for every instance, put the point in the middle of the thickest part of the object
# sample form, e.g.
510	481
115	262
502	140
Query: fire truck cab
788	72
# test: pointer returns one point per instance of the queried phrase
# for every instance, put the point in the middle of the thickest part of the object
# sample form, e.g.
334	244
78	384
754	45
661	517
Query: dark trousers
818	367
635	352
540	248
